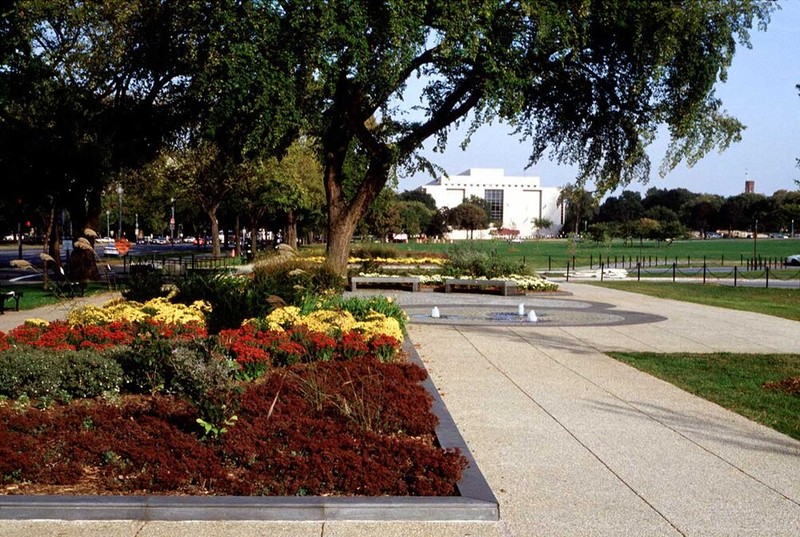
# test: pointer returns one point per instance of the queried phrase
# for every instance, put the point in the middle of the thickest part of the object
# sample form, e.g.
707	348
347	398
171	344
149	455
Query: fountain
435	313
532	317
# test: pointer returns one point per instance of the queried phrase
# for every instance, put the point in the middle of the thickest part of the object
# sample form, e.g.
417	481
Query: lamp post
119	194
136	231
108	223
755	240
172	222
792	233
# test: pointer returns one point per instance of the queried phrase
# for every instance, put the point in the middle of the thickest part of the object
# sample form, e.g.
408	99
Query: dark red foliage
360	427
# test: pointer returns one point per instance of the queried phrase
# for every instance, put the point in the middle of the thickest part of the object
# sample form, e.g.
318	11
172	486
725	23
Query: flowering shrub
158	309
527	282
59	335
387	260
257	349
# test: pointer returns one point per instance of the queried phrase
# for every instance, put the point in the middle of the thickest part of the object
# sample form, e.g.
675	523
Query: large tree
586	82
86	89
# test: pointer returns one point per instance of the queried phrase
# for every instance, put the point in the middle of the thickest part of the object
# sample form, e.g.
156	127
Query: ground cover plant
762	387
138	398
769	301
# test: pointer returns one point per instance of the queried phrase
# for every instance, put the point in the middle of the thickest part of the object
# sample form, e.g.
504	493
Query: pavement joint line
636	408
566	429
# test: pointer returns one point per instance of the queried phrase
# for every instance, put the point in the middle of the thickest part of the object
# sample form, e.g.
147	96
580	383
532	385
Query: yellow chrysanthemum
37	322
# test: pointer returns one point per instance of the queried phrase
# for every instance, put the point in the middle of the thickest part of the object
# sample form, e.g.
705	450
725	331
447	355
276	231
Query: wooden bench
507	287
6	296
413	281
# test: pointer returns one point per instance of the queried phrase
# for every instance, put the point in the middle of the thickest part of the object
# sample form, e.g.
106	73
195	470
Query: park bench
507	287
413	281
8	296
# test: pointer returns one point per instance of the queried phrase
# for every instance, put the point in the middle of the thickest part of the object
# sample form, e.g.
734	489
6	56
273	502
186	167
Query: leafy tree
470	216
586	82
580	206
702	213
420	196
672	199
95	86
542	223
626	207
415	216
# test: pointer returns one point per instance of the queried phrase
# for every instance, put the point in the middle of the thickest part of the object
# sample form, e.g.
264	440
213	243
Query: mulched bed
358	427
790	386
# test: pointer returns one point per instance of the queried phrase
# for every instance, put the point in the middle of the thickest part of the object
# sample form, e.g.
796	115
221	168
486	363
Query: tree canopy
585	82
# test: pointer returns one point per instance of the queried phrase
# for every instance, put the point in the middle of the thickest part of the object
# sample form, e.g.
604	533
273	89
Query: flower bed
316	402
533	283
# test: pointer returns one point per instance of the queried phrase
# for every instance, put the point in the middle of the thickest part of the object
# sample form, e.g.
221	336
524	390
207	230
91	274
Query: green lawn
554	253
35	296
778	302
733	381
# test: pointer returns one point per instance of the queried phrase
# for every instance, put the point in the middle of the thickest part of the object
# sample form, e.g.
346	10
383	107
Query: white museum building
515	201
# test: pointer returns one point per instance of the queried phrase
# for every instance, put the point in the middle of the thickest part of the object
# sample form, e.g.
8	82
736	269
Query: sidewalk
571	441
57	310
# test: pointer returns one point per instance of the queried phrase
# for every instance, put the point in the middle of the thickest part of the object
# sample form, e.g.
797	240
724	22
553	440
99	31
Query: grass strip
778	302
733	381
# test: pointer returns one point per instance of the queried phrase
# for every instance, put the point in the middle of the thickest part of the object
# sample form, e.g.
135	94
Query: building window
495	200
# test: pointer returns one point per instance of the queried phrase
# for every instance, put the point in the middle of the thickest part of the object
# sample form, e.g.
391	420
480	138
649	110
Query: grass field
734	381
778	302
553	253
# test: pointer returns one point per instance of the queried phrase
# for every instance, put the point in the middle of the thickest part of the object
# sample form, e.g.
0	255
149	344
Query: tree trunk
237	236
212	215
291	228
341	226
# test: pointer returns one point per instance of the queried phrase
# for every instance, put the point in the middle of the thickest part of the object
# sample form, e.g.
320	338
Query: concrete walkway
573	442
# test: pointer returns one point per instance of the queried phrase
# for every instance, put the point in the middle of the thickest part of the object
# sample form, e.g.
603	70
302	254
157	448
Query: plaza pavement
573	442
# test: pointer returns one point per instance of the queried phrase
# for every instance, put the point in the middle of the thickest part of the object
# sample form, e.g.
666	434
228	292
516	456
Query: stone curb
475	503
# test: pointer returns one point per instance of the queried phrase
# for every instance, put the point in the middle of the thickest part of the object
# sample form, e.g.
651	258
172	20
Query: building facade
517	202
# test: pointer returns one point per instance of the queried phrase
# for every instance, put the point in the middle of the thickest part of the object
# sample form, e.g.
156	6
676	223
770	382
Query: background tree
542	223
469	216
581	206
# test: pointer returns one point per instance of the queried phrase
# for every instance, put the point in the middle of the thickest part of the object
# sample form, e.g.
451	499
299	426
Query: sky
760	91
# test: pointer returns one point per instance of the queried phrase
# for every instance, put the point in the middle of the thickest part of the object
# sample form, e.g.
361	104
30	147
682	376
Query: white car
793	260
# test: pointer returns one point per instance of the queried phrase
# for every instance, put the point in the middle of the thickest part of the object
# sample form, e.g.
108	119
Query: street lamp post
792	233
108	223
119	194
136	231
172	221
755	240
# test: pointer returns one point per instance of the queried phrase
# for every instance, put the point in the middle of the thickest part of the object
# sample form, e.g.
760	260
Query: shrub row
43	373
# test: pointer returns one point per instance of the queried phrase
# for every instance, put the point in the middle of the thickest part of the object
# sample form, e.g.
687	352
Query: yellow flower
37	322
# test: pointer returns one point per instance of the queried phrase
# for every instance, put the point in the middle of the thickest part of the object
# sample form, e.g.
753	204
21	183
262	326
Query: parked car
110	250
793	260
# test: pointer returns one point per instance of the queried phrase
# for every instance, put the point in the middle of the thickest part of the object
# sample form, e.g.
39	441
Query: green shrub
57	374
291	279
144	283
465	259
226	293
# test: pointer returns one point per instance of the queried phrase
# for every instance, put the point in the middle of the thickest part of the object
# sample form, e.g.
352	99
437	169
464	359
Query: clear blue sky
760	91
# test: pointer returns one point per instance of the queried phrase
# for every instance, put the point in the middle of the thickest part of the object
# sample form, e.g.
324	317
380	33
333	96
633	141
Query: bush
465	259
144	284
227	295
292	280
64	374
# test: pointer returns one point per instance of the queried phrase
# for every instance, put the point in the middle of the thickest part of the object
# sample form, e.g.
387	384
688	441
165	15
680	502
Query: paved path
571	441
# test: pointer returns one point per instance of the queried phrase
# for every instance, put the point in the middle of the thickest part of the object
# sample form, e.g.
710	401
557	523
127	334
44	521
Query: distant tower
749	187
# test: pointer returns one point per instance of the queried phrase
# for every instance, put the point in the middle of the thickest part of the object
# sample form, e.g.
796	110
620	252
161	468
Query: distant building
515	201
749	187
